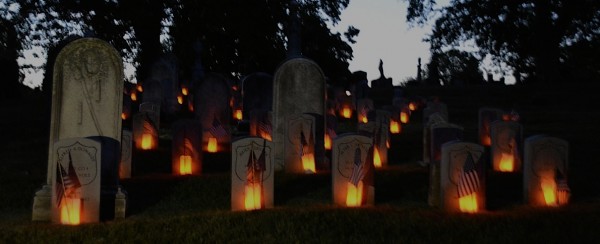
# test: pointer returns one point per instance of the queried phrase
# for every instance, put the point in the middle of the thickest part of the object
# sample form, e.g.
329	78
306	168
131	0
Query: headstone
186	149
299	148
382	137
152	92
298	87
257	92
126	113
381	92
435	107
363	107
252	174
506	148
433	119
261	124
440	133
486	117
86	101
153	109
462	177
126	151
353	170
545	171
165	71
212	109
145	131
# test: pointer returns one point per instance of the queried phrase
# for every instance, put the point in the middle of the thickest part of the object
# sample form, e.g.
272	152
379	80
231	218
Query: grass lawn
163	208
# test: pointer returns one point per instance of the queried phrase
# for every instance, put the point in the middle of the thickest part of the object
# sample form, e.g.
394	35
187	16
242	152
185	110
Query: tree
454	67
533	37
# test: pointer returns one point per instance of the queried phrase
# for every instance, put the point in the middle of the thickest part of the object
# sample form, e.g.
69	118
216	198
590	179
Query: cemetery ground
164	208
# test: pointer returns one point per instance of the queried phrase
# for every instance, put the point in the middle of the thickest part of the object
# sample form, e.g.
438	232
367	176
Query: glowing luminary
237	114
147	143
376	158
327	142
133	96
346	112
507	163
549	191
180	99
354	194
308	163
394	127
412	106
212	145
363	119
387	143
486	140
184	91
123	116
468	203
404	117
185	165
70	211
191	106
265	135
252	198
139	88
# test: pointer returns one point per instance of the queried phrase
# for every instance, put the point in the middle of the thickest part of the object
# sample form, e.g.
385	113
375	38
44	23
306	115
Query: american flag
468	182
303	144
561	183
264	126
331	133
66	183
358	171
217	129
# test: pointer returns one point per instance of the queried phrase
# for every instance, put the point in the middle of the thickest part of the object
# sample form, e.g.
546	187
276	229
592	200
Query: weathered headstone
152	92
486	117
506	148
462	177
440	133
86	102
186	149
212	109
252	174
298	87
435	107
126	151
165	71
545	171
145	131
353	170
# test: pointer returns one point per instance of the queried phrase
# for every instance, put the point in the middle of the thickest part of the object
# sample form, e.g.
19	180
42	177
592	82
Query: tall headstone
252	174
433	119
212	99
86	102
298	87
462	177
165	71
486	117
353	170
440	133
545	171
186	148
506	148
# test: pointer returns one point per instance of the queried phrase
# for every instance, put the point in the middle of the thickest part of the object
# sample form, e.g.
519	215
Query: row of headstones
457	167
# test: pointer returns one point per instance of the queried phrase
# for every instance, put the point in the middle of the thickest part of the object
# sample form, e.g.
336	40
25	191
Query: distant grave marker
506	148
186	148
486	117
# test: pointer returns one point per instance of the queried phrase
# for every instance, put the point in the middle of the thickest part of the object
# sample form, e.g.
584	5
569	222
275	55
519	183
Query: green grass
163	208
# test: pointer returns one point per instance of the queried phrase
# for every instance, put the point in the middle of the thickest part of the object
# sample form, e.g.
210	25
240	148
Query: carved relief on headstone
353	170
462	177
298	87
252	174
545	171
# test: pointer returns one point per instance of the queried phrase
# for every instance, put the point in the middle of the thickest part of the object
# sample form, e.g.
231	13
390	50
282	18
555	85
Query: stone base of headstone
42	206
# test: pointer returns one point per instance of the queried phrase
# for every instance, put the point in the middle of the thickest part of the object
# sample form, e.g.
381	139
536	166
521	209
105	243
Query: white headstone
462	177
545	171
252	174
353	170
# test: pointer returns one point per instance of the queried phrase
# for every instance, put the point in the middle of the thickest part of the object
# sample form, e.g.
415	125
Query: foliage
238	37
532	37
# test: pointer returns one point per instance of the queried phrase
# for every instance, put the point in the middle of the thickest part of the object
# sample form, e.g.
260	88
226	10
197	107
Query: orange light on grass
354	194
70	211
376	158
468	203
185	165
212	145
507	163
308	163
252	198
